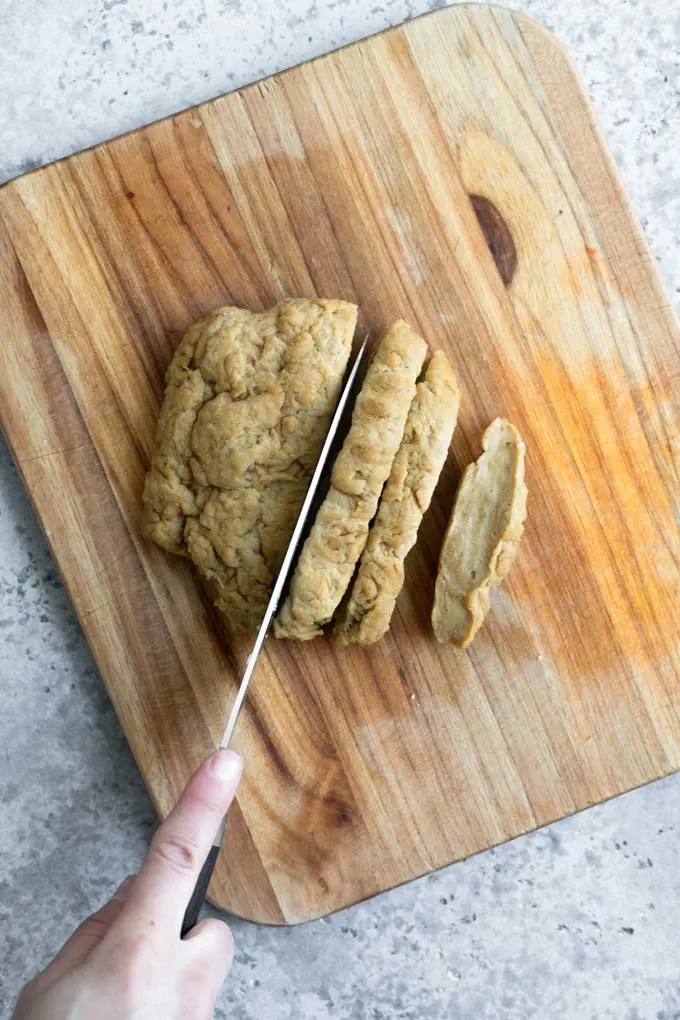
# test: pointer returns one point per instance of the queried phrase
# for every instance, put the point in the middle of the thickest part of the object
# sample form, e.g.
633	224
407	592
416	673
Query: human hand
127	961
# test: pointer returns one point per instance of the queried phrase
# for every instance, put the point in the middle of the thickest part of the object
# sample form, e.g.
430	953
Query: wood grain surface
450	172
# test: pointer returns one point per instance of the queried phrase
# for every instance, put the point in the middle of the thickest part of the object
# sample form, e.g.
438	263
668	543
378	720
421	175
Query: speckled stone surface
579	921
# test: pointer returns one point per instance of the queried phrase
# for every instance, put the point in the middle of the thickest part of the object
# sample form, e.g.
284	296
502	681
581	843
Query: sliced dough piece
483	535
339	532
249	397
415	472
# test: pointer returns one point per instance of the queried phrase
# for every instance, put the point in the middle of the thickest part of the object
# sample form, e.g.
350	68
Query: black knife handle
200	889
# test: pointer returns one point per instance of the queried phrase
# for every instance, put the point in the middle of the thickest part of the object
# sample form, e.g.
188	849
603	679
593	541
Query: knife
201	887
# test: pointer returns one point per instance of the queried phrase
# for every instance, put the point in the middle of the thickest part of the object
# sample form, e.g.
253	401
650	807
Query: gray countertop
579	920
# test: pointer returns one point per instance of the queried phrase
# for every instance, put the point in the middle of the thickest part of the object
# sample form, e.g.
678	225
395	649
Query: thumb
89	934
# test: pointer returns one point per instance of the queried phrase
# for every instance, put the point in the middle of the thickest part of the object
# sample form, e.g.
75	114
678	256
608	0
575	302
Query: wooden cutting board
450	172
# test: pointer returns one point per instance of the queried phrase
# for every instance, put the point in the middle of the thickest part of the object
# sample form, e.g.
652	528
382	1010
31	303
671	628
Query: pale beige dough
483	535
424	447
248	401
338	536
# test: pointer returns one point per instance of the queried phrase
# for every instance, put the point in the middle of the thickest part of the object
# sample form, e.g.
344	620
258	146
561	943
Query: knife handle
200	889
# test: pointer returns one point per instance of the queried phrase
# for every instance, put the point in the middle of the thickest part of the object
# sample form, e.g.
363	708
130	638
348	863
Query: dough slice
329	555
483	535
406	497
248	402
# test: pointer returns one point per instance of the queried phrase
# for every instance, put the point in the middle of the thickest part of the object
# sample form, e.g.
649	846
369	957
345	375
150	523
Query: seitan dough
249	398
483	535
338	536
415	472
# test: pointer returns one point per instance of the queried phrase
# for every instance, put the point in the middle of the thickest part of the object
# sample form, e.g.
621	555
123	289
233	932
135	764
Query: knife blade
198	896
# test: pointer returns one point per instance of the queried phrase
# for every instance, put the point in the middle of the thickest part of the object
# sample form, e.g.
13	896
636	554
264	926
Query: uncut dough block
330	553
483	535
415	472
248	402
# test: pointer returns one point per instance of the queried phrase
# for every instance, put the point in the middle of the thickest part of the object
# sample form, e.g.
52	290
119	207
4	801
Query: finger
181	844
212	944
88	936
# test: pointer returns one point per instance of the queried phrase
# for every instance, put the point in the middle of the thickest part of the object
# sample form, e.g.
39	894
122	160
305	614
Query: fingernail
124	889
226	766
